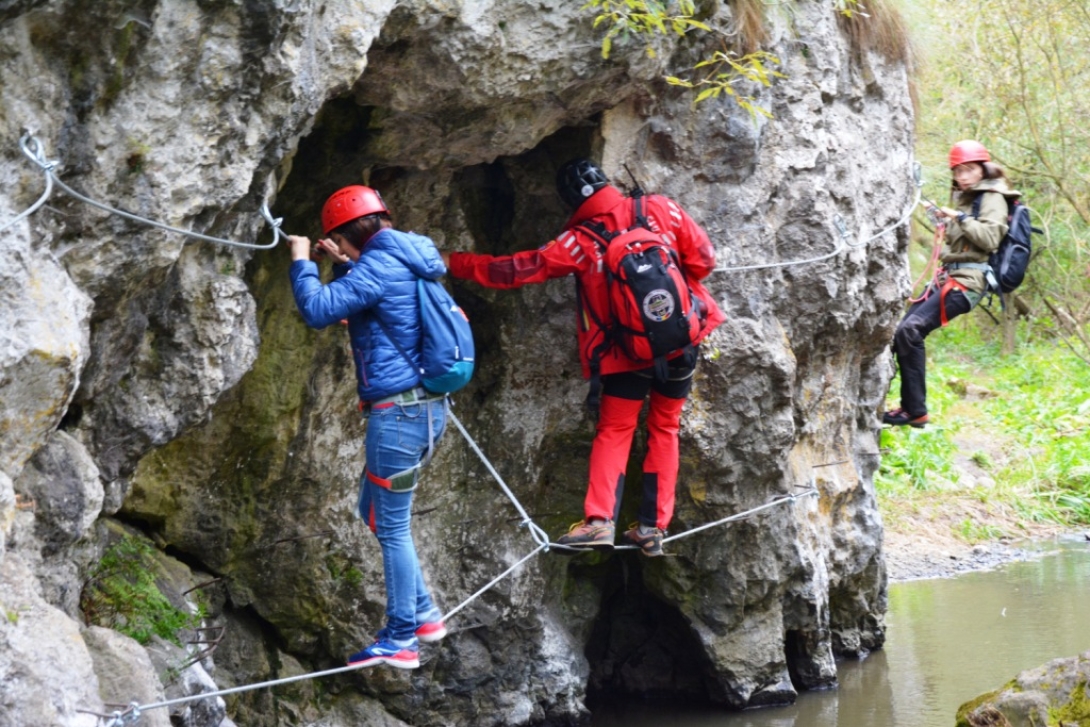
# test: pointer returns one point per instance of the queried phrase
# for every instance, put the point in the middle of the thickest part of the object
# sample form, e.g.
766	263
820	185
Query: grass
1008	433
122	594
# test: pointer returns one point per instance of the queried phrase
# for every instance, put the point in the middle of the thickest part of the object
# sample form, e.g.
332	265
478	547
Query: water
948	641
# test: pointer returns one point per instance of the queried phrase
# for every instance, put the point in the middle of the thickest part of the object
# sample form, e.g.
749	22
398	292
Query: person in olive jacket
974	228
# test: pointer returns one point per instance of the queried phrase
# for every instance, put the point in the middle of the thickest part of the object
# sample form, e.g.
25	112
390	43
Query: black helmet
579	179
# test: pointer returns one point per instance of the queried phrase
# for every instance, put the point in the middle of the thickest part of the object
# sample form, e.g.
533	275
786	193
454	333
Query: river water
948	641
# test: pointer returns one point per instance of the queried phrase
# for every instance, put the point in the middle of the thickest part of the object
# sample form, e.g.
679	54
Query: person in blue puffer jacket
375	289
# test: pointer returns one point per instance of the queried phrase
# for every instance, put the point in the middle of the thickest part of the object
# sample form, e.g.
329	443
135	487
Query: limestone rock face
45	667
127	673
62	484
170	383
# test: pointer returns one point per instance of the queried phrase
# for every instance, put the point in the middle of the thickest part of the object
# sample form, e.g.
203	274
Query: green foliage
715	76
918	458
1036	421
975	532
341	570
642	19
726	69
879	27
121	594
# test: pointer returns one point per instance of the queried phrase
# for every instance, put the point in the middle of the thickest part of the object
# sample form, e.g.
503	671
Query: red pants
617	421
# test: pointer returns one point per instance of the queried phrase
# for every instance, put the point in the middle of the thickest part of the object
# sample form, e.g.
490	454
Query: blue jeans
397	440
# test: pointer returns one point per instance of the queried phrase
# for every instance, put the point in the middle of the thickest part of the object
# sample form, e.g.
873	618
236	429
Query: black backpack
1011	259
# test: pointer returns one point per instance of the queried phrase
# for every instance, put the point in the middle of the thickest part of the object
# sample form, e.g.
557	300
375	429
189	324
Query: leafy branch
715	76
642	18
725	70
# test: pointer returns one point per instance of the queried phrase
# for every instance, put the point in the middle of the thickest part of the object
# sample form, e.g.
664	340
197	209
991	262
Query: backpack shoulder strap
598	232
976	205
639	219
980	198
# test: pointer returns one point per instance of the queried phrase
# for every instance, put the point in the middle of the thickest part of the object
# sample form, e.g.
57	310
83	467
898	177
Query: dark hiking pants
908	347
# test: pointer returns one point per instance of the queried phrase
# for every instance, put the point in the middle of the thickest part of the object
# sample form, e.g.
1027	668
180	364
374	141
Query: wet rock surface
169	386
1055	693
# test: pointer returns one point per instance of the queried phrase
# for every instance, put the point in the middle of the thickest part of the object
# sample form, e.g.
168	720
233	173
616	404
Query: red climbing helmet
968	151
349	203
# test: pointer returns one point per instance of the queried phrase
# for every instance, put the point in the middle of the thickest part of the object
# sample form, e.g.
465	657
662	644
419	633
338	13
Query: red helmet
349	203
968	151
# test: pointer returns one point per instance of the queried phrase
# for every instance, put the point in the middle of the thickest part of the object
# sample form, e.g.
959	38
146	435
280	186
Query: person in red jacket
626	383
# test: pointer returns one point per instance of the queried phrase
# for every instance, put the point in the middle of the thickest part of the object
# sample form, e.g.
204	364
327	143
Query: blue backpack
447	344
446	341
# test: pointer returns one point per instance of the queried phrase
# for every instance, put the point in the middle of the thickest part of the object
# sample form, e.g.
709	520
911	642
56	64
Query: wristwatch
961	216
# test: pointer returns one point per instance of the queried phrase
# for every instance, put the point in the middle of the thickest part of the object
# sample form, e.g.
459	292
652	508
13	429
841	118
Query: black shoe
899	418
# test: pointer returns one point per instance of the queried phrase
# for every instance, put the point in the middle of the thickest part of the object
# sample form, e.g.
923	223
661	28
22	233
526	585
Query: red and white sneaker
387	652
431	632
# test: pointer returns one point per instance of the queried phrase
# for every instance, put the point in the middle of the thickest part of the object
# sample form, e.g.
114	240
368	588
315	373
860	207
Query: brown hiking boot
585	535
649	543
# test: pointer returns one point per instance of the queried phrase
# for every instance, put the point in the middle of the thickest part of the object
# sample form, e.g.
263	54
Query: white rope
48	166
842	230
808	492
494	581
132	714
536	532
33	151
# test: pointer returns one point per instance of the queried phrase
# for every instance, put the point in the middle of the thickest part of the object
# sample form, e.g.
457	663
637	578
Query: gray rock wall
171	384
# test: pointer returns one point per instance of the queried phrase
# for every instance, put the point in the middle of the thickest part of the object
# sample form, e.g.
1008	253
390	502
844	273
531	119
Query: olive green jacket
972	240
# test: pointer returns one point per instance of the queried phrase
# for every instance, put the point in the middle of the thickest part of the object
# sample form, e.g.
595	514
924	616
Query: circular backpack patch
658	305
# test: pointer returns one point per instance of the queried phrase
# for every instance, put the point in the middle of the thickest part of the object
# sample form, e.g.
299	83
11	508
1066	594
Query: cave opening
641	647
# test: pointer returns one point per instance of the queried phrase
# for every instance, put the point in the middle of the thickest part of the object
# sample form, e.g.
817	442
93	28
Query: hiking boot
384	651
586	535
649	541
899	418
431	631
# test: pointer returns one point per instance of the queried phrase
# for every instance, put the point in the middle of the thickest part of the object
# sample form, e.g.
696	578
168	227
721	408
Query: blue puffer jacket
381	283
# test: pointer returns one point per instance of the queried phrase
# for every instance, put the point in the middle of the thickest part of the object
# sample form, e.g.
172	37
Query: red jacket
574	252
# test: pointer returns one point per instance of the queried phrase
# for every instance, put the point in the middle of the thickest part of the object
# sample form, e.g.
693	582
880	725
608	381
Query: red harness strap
950	283
932	264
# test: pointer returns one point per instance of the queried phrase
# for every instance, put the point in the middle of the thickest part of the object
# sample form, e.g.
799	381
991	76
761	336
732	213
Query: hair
361	229
994	171
991	171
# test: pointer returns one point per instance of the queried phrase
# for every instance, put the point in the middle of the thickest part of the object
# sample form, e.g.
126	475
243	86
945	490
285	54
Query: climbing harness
842	230
131	714
33	150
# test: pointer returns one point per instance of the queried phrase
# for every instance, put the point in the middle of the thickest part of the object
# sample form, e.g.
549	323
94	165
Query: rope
536	532
39	158
808	492
34	151
842	230
132	714
932	266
